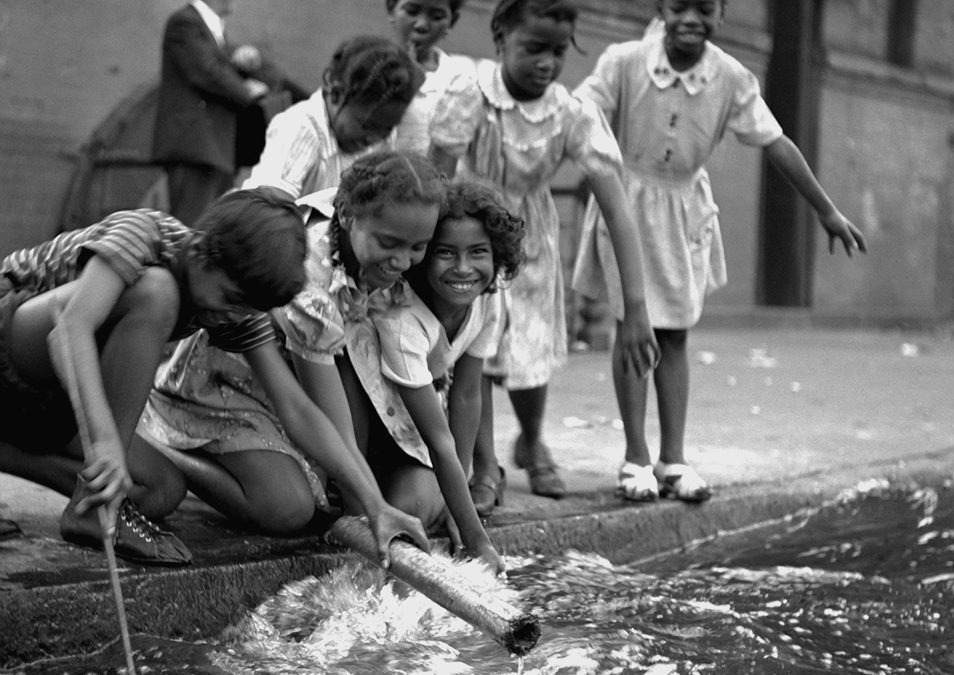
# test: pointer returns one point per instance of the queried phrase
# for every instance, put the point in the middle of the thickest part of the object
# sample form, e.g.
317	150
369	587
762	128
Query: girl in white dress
671	97
420	364
512	125
420	25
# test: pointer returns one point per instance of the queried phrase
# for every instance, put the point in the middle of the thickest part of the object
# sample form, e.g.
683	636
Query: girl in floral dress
512	125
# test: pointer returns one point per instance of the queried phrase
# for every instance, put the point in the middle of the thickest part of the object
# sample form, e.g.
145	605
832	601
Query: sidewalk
779	418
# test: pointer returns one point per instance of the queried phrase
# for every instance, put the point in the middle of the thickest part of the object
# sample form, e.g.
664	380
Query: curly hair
384	177
257	237
506	232
372	70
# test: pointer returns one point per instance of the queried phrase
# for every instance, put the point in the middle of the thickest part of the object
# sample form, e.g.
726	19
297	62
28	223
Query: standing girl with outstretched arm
513	125
672	96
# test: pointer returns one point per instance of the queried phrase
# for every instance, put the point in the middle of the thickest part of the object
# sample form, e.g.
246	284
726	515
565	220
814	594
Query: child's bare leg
671	378
676	479
57	472
132	339
261	488
487	482
414	489
631	396
530	452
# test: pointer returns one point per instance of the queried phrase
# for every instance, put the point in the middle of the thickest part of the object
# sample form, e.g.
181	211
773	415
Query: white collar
663	75
490	80
322	201
212	20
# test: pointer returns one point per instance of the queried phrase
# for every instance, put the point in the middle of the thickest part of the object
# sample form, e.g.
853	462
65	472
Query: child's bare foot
137	539
541	469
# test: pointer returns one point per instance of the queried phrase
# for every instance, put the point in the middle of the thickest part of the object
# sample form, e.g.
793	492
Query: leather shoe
488	494
136	539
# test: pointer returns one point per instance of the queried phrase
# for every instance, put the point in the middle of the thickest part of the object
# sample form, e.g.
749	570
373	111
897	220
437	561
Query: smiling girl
513	125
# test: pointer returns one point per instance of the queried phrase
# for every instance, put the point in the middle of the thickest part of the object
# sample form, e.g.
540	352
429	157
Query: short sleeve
457	114
293	146
750	118
590	142
312	322
406	341
602	86
485	342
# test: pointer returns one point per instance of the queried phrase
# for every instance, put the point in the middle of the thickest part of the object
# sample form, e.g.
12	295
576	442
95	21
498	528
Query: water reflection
864	585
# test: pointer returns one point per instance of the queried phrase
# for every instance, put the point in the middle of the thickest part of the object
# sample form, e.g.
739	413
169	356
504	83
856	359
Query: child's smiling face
532	54
387	243
421	24
689	24
461	264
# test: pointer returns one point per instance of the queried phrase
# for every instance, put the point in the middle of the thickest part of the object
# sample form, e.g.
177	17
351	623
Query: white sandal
680	481
637	483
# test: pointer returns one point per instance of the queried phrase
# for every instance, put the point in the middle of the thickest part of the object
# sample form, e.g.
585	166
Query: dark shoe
488	494
544	479
546	482
8	529
137	539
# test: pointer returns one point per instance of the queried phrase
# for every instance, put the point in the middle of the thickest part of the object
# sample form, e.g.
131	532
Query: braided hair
372	70
385	177
511	13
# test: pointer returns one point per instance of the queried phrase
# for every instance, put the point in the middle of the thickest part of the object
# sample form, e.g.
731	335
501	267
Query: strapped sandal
544	479
637	483
137	539
680	481
487	494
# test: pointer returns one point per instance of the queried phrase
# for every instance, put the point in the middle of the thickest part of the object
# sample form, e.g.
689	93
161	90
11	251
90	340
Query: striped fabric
129	241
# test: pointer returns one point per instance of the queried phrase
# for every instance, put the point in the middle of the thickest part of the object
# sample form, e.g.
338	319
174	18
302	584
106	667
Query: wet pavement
780	417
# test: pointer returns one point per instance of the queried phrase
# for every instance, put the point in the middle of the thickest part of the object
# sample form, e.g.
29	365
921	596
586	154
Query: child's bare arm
787	158
464	405
638	339
78	311
423	403
313	432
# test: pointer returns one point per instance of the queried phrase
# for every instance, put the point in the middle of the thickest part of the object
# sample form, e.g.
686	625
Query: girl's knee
284	512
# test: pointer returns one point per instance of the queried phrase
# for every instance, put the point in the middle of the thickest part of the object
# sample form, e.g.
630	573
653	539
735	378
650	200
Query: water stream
862	585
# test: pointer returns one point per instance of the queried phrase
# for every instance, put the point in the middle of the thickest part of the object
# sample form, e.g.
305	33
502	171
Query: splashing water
864	585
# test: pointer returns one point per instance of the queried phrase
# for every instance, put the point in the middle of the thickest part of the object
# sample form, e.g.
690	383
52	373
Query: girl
513	125
232	430
672	96
431	350
420	25
367	88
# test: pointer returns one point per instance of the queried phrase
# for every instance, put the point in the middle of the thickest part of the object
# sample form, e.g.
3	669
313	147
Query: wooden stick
63	361
435	578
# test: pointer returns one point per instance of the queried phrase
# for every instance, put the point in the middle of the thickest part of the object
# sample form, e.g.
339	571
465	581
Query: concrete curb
198	602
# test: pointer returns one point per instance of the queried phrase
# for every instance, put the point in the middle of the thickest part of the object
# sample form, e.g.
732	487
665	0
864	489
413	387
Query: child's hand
637	343
488	554
390	523
839	227
105	482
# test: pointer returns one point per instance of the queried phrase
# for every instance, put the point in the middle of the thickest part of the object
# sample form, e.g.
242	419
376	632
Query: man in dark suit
201	93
